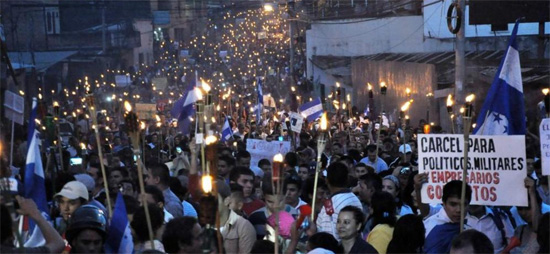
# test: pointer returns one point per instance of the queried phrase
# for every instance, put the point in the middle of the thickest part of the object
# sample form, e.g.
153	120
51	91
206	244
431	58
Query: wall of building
420	78
145	28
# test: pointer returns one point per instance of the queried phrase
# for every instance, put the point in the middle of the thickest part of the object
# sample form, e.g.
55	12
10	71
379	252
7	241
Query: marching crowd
367	196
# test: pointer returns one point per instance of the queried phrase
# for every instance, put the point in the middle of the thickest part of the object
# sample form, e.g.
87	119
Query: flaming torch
321	143
467	115
383	90
133	126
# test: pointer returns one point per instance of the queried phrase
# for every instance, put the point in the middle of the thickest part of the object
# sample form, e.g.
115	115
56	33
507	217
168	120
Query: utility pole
460	61
291	30
103	29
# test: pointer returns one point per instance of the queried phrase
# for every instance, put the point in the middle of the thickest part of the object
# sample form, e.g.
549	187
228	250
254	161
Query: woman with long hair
408	235
349	226
381	221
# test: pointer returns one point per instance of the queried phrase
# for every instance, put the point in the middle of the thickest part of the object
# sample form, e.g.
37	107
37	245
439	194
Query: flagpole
91	107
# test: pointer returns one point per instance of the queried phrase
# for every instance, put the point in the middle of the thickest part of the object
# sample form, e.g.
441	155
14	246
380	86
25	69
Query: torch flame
157	117
545	91
450	100
405	106
324	122
470	98
382	84
408	91
337	84
198	93
55	104
369	86
205	86
127	106
210	140
142	125
206	183
278	158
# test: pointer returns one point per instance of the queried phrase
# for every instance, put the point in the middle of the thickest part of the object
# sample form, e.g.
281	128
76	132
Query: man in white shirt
337	177
493	223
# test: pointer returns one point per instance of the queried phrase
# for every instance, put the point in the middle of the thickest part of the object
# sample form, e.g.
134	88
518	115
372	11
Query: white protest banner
296	121
544	129
160	83
496	167
261	149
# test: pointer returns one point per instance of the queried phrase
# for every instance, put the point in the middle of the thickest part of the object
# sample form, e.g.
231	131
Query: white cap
73	190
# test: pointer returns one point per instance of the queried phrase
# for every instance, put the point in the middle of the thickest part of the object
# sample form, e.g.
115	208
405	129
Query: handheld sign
496	167
544	129
261	149
296	121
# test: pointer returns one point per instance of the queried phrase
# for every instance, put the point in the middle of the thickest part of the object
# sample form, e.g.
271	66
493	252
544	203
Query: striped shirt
326	222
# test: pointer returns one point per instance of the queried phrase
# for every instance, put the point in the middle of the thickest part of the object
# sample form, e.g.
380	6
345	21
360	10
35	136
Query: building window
52	20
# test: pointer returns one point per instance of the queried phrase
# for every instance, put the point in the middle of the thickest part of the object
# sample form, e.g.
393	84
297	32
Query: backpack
498	216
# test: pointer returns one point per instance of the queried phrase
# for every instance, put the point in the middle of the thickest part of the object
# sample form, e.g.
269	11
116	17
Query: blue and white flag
503	111
227	132
312	110
34	186
119	237
184	108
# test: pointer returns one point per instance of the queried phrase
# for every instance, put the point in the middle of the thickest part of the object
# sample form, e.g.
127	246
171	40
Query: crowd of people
367	196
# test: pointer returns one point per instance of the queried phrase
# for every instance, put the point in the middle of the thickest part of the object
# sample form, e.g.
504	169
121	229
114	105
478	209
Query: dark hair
291	159
454	189
308	188
326	241
177	188
5	229
238	171
161	171
337	175
355	154
131	204
178	231
228	159
140	227
263	162
267	186
543	232
293	179
347	159
372	181
383	209
358	215
122	170
262	247
408	235
242	154
480	242
155	192
370	148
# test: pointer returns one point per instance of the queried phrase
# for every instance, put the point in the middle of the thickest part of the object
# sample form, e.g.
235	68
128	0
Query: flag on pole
227	132
119	237
34	187
184	108
259	107
503	111
312	110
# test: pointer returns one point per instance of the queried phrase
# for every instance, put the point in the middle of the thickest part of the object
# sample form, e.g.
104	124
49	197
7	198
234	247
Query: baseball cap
73	190
406	148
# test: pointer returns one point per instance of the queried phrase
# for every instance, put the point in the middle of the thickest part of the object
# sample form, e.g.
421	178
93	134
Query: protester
159	175
471	241
408	235
140	229
87	231
27	207
183	235
349	226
